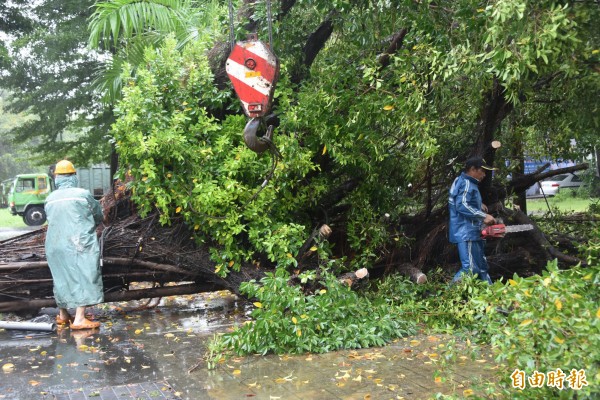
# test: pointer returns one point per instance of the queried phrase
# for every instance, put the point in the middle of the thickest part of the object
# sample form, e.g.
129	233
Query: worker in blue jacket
72	248
467	216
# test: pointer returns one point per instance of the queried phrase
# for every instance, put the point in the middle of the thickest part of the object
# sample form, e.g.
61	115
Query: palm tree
124	28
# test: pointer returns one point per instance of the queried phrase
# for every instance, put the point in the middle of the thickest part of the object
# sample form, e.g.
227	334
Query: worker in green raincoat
72	247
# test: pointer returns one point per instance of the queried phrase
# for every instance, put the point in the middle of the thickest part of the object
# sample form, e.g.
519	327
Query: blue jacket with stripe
466	216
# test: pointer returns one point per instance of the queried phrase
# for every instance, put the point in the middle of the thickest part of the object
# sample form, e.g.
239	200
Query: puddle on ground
166	342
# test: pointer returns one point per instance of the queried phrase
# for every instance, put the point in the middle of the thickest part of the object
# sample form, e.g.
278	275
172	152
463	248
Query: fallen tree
374	116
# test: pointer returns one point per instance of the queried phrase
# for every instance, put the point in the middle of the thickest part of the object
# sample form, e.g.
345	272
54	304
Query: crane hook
256	143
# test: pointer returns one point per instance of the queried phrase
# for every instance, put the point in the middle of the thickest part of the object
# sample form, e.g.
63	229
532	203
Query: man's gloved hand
489	220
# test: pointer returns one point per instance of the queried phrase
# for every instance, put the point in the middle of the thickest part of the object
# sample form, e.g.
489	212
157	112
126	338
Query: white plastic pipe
28	326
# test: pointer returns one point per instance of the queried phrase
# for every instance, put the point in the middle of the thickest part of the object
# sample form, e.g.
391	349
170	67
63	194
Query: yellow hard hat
64	167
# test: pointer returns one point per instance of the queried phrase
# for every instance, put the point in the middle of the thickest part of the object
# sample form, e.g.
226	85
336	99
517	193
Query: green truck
29	191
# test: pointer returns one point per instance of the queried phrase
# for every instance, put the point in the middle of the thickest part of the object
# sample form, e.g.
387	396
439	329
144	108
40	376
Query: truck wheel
34	216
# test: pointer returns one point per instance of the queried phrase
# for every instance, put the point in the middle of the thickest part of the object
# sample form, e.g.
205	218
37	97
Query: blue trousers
472	259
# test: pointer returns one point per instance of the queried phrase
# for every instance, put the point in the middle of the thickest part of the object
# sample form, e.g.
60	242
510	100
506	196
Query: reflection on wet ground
162	344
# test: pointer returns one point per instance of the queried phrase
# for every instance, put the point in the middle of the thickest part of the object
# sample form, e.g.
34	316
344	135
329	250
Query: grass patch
564	202
7	220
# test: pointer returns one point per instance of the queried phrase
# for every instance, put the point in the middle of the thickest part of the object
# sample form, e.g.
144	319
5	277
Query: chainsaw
499	230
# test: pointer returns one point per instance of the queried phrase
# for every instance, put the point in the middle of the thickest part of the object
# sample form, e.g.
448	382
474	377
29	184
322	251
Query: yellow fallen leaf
468	392
237	372
83	347
324	149
294	320
314	248
388	107
438	379
34	383
558	340
257	304
414	342
138	331
358	378
322	291
169	335
526	322
8	367
587	277
178	210
251	385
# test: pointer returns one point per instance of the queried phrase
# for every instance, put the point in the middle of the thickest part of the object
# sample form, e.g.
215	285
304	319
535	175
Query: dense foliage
48	70
13	158
385	131
533	325
286	320
553	323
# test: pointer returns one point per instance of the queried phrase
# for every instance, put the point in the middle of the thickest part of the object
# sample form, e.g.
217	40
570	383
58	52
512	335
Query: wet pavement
158	353
7	233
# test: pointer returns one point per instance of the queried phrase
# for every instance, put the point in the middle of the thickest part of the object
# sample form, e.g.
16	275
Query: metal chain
231	27
269	17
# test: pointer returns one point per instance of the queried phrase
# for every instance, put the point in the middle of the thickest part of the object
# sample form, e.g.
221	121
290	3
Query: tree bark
313	46
539	238
35	304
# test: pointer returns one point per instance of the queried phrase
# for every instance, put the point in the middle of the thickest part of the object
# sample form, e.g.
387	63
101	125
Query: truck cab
27	195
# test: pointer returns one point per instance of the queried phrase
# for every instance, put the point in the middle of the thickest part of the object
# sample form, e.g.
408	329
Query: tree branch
395	45
313	46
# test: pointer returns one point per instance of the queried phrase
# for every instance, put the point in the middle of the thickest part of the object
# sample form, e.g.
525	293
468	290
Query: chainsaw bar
499	230
518	228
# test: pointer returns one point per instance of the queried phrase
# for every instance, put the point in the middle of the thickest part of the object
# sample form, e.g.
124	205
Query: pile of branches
134	249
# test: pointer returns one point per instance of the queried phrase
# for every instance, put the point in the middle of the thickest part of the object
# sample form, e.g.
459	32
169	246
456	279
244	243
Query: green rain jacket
72	247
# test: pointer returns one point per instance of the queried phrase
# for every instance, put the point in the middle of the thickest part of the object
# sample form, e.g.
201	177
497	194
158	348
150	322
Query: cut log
413	273
356	279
